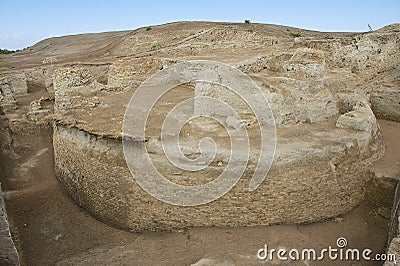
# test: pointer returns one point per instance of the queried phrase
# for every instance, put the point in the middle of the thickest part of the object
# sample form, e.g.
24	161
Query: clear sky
24	23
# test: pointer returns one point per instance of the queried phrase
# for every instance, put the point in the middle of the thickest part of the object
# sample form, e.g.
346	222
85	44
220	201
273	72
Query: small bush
155	45
148	28
295	34
247	21
5	51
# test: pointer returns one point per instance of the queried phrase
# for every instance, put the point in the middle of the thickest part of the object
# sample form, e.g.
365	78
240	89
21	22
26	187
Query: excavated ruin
319	92
325	90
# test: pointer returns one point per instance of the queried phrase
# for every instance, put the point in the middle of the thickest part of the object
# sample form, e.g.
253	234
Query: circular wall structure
319	171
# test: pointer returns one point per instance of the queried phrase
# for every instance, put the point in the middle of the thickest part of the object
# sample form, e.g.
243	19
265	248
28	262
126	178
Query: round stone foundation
319	171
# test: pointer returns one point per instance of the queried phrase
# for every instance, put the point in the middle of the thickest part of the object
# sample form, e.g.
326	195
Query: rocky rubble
8	252
10	87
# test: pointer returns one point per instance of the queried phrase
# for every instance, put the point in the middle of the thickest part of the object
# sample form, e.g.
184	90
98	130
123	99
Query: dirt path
49	228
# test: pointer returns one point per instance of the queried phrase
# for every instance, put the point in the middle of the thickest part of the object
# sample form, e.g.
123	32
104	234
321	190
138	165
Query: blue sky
24	23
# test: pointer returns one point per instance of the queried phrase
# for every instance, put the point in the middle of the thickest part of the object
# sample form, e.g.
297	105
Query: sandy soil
50	228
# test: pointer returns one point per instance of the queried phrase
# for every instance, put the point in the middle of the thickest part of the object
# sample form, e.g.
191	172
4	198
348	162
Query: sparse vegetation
247	21
155	45
6	51
295	34
148	28
5	65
